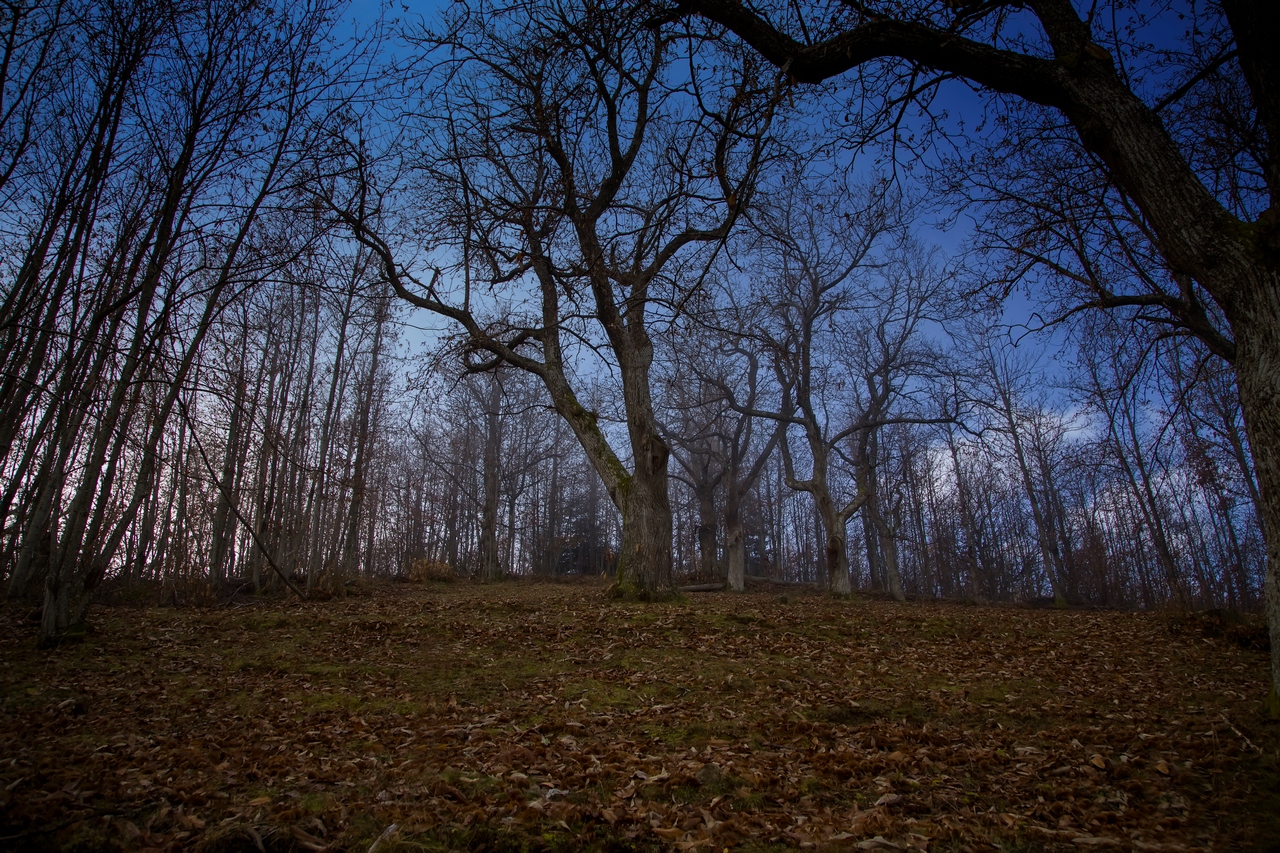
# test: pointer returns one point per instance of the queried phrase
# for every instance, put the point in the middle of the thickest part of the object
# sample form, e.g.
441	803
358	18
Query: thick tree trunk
835	556
641	497
709	564
734	548
835	547
644	566
1258	374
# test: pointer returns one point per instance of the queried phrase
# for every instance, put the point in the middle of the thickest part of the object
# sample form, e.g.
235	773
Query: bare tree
843	340
1022	422
735	370
586	164
1195	168
141	185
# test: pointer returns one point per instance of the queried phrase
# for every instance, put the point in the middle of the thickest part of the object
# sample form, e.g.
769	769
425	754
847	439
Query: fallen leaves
459	715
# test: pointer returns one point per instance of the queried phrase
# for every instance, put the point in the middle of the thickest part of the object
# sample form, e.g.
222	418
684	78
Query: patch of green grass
325	670
747	800
83	837
866	711
1023	691
258	666
812	785
316	701
603	696
265	622
691	734
694	792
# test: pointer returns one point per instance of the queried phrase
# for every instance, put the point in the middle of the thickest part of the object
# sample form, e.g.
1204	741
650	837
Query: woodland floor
526	716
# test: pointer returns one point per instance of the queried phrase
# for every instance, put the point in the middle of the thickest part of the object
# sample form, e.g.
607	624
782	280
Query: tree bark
708	547
360	470
835	547
1258	373
645	564
489	569
734	548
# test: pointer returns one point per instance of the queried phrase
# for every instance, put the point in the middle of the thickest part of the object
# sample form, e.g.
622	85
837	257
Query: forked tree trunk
644	566
835	546
640	496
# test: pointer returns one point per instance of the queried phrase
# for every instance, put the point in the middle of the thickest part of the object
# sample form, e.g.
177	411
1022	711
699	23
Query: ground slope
545	716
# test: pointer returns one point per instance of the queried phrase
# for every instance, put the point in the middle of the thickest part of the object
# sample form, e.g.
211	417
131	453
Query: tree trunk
1258	374
882	543
889	551
707	546
871	550
835	556
835	548
65	602
332	411
734	548
35	548
489	570
360	469
644	566
641	497
223	528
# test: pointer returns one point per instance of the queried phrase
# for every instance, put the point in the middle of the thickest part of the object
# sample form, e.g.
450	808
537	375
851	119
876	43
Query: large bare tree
582	164
844	296
1190	153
